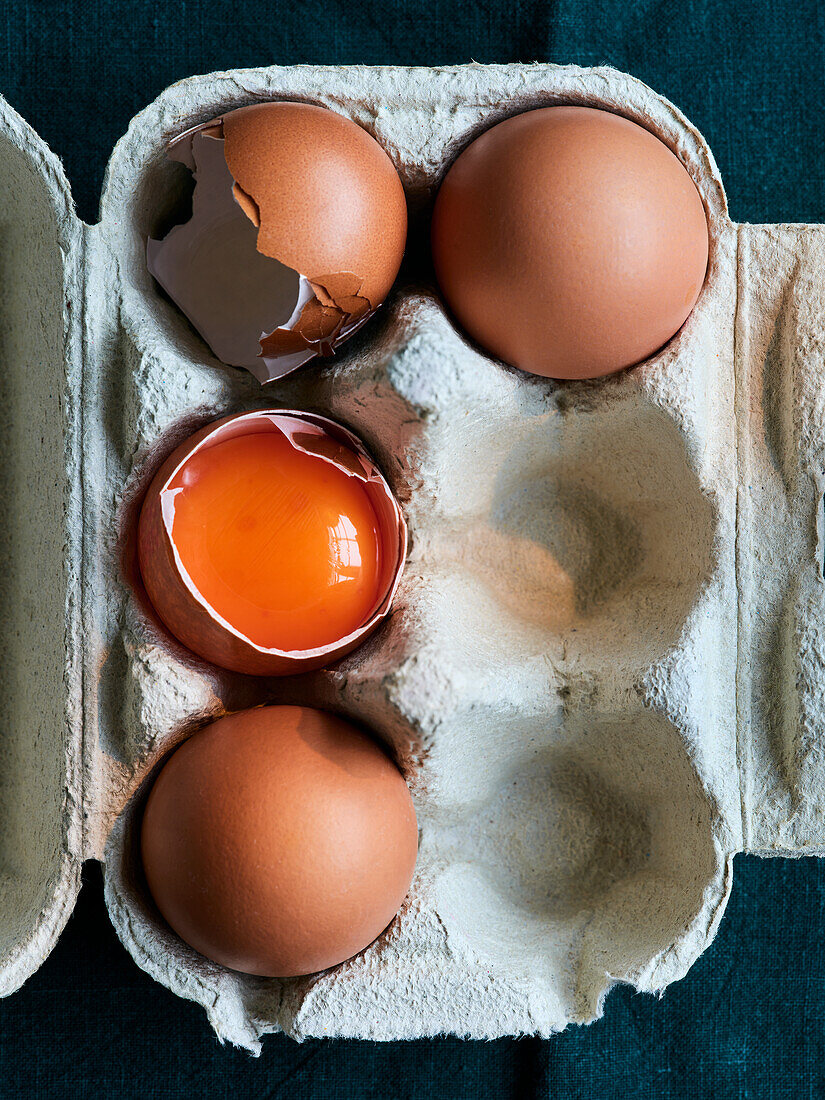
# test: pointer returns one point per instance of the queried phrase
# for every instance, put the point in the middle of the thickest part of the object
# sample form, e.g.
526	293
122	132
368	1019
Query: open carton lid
41	824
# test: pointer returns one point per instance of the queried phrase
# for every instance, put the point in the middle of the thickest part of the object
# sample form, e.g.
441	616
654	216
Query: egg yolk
281	544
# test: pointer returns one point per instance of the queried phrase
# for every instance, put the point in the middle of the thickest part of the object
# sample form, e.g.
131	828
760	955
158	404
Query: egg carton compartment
599	677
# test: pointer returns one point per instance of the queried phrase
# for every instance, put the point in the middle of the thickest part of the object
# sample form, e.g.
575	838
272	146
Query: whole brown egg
279	841
569	242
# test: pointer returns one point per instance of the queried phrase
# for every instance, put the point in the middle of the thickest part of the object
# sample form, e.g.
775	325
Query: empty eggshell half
569	242
297	232
178	600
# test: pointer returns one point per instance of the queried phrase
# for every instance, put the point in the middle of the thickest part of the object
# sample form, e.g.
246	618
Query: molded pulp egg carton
603	675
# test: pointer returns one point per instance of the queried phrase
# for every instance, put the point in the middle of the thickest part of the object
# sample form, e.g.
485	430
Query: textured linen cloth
748	1019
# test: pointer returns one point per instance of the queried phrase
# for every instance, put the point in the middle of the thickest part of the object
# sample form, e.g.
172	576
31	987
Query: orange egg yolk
281	544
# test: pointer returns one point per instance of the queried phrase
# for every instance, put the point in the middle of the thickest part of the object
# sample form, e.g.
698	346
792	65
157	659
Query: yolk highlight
281	544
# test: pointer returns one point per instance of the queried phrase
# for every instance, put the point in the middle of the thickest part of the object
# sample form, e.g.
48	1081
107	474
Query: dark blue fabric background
748	1019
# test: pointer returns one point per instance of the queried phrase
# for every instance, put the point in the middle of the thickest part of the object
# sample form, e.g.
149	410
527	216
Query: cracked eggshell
183	609
297	233
570	242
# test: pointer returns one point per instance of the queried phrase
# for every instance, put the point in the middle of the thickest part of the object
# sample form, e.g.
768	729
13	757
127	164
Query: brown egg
279	841
569	242
269	542
297	232
327	195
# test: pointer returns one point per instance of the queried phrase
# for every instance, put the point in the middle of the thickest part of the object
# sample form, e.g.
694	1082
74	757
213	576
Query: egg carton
603	676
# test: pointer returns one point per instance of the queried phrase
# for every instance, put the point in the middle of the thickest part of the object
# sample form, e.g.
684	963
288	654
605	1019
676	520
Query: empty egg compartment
589	833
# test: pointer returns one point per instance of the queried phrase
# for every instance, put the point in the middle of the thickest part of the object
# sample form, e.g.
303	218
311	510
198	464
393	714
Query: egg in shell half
270	543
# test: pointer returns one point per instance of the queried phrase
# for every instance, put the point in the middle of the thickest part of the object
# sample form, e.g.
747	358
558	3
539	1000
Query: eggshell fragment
569	242
184	610
297	233
279	841
228	302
